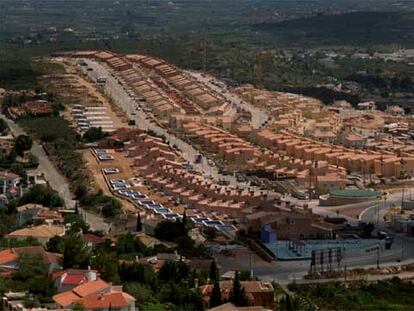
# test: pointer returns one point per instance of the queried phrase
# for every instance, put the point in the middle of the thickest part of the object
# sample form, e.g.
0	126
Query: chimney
90	275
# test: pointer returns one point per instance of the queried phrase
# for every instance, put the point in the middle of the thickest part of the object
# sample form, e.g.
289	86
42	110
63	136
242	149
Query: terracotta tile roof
42	231
7	256
115	300
91	288
92	238
71	272
65	299
74	279
38	250
8	175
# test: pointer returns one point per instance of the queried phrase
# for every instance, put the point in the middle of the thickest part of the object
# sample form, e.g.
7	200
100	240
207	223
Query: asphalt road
373	211
143	121
259	117
56	180
286	272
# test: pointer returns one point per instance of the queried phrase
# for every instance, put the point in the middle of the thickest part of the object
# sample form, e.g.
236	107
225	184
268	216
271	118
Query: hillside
357	29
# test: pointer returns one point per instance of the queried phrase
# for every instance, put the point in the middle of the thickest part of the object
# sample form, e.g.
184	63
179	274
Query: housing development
129	182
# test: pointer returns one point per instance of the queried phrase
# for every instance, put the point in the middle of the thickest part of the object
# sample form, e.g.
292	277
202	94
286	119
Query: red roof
48	258
92	238
7	256
65	299
71	279
91	288
115	300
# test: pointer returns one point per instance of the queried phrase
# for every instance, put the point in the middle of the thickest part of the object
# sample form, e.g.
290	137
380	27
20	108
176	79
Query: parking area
302	250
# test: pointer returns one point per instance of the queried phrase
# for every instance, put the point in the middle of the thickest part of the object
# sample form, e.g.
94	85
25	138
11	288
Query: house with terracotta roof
9	257
9	184
92	240
38	214
68	279
43	233
231	307
259	293
96	295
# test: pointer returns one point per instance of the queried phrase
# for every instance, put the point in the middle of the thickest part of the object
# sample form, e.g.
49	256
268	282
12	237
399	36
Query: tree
129	244
77	224
22	144
174	271
111	208
33	276
237	294
139	223
215	296
94	134
107	265
210	233
213	274
75	254
40	194
56	244
184	221
170	230
3	127
78	307
19	169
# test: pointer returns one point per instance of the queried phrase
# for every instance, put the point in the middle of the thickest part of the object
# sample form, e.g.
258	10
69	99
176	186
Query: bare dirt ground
95	168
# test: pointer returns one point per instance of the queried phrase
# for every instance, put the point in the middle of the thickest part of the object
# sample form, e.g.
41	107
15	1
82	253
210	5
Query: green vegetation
32	276
349	29
14	160
40	194
94	134
22	144
389	295
177	232
4	128
61	142
237	295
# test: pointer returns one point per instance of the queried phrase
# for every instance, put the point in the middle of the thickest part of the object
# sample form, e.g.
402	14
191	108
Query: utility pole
378	255
251	265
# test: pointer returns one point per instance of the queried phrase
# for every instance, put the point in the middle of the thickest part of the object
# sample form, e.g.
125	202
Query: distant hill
357	28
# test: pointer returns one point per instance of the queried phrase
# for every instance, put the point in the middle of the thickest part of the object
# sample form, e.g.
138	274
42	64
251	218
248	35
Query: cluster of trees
32	276
11	162
61	143
108	205
394	294
381	81
173	284
38	194
94	134
237	294
177	232
41	194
